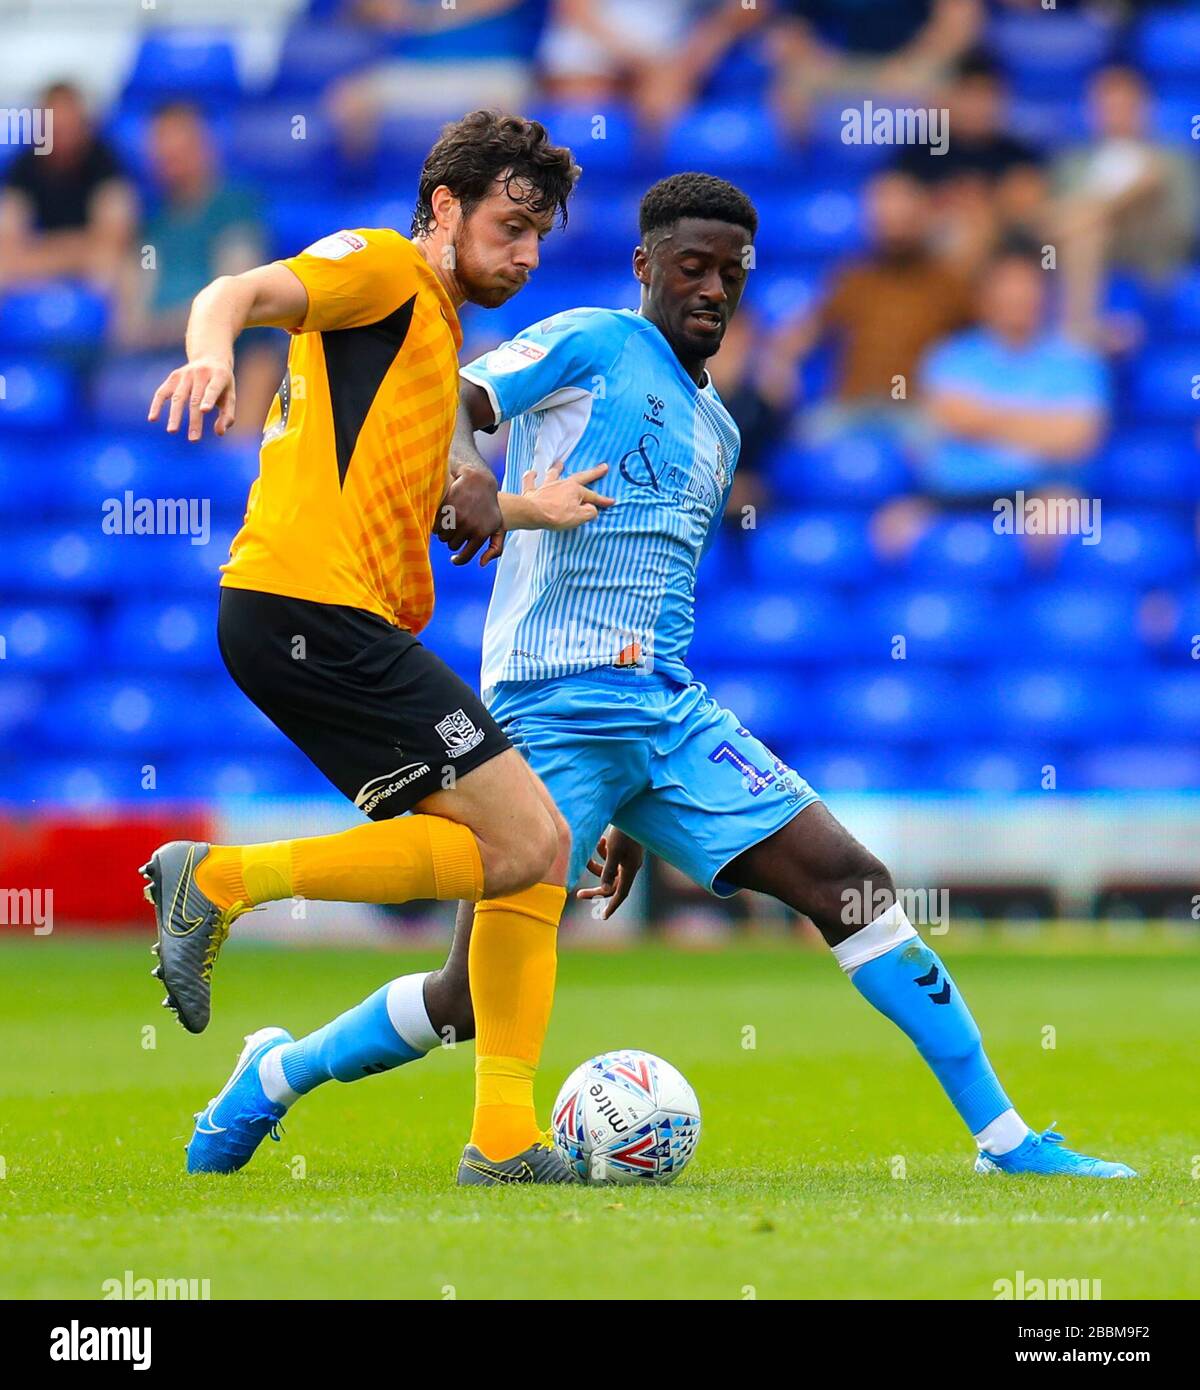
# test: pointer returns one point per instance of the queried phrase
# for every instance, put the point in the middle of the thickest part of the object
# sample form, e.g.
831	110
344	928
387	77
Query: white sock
875	939
272	1079
410	1018
1005	1133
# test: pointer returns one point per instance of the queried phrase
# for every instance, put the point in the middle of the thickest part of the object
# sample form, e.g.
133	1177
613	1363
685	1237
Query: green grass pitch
830	1164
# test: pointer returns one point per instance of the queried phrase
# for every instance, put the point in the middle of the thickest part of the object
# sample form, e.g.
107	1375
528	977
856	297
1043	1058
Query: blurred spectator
657	55
1014	403
884	47
884	310
69	211
201	227
754	374
1124	200
443	59
986	183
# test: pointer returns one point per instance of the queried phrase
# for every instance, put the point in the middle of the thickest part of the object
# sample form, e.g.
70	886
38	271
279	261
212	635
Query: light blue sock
893	969
389	1028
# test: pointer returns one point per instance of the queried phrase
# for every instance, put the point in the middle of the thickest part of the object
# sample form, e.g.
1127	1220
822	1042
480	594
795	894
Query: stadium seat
184	64
40	638
721	138
1164	380
1058	703
1171	704
58	315
37	395
829	771
937	625
85	781
163	635
782	629
283	147
1149	466
896	707
1137	548
821	547
262	775
313	54
21	701
999	770
816	222
1140	767
123	387
63	560
966	549
1168	43
139	716
774	707
1094	623
859	468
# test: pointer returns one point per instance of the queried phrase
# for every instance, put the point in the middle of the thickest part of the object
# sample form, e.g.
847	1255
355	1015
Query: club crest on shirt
458	733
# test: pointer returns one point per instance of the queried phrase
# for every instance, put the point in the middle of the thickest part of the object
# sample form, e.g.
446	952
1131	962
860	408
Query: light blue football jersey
603	386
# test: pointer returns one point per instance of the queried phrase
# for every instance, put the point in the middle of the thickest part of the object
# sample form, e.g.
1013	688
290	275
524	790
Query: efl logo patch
458	733
335	247
514	357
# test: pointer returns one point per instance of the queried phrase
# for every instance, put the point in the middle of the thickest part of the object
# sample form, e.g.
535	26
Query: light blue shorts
660	760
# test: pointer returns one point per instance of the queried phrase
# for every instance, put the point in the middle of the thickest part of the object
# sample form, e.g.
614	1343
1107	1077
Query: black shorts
382	717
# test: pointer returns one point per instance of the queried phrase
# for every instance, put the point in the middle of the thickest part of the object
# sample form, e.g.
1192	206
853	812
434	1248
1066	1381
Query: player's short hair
695	195
472	153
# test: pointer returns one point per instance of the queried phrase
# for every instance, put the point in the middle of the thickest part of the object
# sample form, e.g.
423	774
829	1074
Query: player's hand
199	388
615	863
469	517
564	503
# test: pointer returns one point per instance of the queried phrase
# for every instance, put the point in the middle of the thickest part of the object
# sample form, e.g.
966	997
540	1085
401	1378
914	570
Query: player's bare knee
526	856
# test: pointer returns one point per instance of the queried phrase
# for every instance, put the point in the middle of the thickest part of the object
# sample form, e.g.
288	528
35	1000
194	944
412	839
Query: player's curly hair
695	195
470	154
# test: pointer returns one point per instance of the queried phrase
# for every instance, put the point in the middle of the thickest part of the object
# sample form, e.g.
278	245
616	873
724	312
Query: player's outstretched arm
557	503
270	296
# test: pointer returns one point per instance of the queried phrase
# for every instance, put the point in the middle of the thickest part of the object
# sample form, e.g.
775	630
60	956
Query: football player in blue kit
585	669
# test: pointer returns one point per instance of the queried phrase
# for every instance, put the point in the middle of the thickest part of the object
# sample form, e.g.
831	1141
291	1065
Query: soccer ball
626	1117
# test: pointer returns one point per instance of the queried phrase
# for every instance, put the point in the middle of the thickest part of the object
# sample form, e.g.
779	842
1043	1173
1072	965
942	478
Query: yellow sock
511	965
387	861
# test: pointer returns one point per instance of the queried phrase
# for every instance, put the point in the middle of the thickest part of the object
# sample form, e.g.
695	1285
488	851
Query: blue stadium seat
721	139
200	779
57	315
83	781
269	143
1183	302
1169	43
37	395
988	769
23	490
1171	705
602	142
314	54
826	547
816	222
829	771
45	638
1149	466
938	625
771	706
1163	382
123	387
244	730
140	716
1170	624
21	701
1064	50
779	296
1151	767
193	569
859	468
900	706
775	629
58	560
966	549
1137	548
456	632
184	64
163	635
1063	703
1092	622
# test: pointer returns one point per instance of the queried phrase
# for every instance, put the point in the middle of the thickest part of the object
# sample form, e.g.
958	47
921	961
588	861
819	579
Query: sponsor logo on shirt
335	247
514	357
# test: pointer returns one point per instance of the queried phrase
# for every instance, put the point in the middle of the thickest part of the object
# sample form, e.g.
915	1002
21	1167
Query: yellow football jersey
353	459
